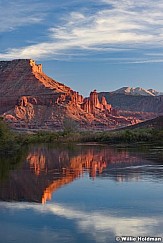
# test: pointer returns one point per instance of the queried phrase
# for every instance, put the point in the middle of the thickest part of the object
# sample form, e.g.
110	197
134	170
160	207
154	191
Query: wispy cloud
20	13
124	24
144	61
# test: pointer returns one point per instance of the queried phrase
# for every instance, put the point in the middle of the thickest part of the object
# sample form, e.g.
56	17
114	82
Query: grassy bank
9	143
110	137
12	141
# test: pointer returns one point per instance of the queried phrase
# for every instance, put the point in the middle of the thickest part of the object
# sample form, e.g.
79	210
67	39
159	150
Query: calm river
79	194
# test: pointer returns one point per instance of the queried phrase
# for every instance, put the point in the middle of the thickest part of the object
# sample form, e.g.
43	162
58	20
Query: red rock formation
92	104
94	101
30	99
35	67
25	77
103	101
86	105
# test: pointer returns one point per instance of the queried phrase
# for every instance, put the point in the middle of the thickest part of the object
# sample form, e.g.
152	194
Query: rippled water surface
82	193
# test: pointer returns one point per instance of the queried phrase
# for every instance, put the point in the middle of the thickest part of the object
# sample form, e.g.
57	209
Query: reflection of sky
98	225
86	211
41	175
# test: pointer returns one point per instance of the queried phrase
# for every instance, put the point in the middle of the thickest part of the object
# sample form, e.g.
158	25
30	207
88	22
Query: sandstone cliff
30	99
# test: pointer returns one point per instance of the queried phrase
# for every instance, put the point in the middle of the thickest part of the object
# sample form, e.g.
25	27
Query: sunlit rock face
92	104
30	99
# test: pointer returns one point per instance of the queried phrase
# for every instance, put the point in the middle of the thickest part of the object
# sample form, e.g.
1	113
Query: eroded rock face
25	110
24	77
31	99
92	104
86	106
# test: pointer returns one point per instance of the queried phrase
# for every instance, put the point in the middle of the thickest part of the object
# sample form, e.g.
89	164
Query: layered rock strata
31	99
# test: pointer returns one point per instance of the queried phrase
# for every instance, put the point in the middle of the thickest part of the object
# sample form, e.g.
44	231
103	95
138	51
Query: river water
82	193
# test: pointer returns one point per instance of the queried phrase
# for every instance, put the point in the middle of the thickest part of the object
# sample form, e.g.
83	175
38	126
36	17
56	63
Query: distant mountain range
137	91
128	100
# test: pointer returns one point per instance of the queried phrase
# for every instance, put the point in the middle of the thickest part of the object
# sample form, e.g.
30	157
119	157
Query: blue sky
87	44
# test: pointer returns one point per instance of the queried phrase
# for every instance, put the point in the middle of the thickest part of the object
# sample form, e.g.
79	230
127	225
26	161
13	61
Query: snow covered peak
155	92
137	91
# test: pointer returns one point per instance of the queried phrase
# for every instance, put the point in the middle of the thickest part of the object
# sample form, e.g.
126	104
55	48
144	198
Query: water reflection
45	169
96	221
103	192
8	163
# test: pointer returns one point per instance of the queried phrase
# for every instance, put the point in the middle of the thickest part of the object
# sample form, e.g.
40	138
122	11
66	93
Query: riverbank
110	137
11	142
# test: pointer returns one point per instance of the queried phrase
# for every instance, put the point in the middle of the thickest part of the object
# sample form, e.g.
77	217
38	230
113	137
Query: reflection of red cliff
77	165
45	170
37	162
47	194
95	163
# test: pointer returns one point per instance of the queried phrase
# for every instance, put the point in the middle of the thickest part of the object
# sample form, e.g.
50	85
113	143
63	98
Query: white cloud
124	24
99	224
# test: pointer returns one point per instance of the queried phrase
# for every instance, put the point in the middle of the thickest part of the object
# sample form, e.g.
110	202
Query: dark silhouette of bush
8	143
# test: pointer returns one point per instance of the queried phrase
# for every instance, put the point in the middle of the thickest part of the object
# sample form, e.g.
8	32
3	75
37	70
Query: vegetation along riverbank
12	141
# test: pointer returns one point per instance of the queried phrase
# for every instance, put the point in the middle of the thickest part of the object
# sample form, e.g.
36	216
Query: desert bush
69	126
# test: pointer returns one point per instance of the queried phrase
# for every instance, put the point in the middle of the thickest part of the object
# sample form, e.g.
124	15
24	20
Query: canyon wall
31	99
